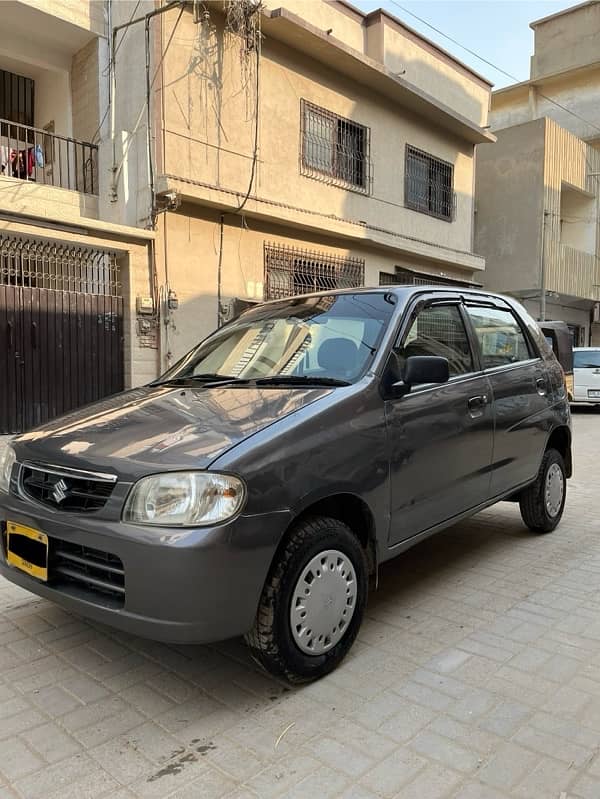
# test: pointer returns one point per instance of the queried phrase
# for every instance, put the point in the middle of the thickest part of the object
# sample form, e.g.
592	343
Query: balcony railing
40	156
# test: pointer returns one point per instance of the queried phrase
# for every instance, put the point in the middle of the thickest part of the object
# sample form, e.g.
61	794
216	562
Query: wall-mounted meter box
145	306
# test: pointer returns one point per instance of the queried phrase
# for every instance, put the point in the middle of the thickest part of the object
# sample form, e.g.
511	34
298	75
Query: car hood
158	428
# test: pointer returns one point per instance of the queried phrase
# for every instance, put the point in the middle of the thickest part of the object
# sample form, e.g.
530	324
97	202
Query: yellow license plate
27	550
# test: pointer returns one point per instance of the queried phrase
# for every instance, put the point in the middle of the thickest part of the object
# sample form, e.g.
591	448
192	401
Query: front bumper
181	585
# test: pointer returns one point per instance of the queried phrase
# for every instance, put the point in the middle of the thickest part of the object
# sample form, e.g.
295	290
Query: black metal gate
61	330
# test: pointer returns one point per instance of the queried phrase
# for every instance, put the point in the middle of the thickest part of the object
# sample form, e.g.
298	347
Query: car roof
406	291
586	349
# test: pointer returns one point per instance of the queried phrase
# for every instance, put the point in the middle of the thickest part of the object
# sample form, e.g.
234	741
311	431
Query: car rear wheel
543	502
313	601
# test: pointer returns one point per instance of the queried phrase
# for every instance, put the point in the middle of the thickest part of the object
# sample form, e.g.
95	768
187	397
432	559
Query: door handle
540	385
10	335
34	336
477	403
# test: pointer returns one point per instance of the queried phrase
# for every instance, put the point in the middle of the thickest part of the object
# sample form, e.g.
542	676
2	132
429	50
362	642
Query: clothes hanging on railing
21	163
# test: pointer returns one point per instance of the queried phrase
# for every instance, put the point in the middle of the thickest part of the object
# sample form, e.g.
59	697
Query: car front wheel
542	503
312	603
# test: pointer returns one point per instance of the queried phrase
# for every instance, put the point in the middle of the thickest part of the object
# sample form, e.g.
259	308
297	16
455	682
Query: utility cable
106	70
491	64
241	205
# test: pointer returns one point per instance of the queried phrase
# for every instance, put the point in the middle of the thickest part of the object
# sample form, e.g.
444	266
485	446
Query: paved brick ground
476	676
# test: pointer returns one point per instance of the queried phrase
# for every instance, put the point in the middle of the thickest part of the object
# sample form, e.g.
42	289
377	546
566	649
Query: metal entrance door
62	346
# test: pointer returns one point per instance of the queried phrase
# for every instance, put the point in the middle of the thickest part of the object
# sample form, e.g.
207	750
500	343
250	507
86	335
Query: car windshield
315	338
586	359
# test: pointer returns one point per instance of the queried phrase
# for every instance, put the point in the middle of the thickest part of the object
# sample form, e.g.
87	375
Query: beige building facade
68	277
304	147
163	164
537	189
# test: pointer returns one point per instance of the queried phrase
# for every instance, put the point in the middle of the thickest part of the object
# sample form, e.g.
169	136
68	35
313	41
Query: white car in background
586	375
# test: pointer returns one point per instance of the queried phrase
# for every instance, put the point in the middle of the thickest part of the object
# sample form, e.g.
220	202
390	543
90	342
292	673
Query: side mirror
422	369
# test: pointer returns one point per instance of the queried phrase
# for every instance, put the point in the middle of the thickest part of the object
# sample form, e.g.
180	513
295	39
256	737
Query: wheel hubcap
323	602
555	486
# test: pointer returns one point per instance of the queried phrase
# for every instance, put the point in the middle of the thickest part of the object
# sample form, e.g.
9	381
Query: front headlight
184	499
7	462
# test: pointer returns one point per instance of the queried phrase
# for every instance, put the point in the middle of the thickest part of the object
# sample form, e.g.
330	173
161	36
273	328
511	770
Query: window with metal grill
406	277
16	100
334	149
290	271
45	264
428	184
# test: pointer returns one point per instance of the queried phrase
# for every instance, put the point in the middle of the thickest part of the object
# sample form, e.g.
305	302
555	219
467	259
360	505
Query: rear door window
501	339
586	359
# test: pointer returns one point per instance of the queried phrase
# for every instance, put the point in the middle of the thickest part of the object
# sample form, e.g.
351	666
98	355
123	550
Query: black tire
534	510
271	640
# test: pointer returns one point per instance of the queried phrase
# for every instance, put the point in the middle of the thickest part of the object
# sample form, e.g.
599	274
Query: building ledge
300	35
227	200
543	80
40	205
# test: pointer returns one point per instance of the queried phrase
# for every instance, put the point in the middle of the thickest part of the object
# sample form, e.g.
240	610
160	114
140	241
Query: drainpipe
543	271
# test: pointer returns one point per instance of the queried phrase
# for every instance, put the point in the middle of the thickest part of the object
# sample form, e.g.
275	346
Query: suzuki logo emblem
59	492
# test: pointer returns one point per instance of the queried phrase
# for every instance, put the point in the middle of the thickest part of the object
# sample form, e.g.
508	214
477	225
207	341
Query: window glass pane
428	184
334	146
500	337
319	140
351	153
417	181
586	359
439	331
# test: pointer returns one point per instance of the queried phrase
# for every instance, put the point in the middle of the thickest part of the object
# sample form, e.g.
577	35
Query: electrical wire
241	205
256	127
106	70
491	64
143	109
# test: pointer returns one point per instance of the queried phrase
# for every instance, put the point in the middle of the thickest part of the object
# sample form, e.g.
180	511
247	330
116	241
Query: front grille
66	491
86	572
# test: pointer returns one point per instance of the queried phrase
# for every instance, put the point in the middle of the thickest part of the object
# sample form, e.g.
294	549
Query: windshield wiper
300	380
207	378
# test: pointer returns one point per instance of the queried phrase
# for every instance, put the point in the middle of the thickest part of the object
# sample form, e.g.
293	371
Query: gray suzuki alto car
256	486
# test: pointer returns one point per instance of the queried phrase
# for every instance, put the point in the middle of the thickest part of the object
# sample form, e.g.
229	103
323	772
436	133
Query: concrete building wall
441	77
566	40
210	105
386	39
124	161
537	201
88	15
509	212
345	24
571	100
85	91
